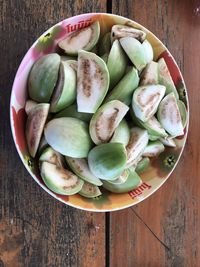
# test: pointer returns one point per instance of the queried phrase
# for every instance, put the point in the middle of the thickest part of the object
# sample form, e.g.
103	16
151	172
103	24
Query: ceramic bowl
160	167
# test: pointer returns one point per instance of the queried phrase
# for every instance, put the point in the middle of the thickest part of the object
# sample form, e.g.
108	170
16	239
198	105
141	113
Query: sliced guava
107	161
81	169
83	39
121	134
124	89
69	136
43	77
131	183
35	125
150	74
116	63
153	126
165	78
90	191
146	100
120	31
169	115
121	179
52	156
93	81
138	141
148	50
135	51
183	112
106	120
154	148
65	91
60	180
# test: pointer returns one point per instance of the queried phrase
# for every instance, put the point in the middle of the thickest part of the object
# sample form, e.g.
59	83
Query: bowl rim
21	156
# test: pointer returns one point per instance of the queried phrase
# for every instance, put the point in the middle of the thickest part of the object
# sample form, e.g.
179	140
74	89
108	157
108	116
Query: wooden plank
35	229
172	213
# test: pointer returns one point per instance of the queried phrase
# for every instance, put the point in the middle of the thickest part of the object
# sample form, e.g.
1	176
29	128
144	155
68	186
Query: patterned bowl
160	168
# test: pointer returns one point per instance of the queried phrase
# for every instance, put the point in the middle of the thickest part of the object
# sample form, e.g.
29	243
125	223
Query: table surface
35	229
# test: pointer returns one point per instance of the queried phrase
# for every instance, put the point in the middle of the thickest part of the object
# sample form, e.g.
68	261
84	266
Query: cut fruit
124	89
35	125
68	136
59	180
121	179
65	91
106	120
165	78
81	169
90	191
120	31
183	112
142	165
107	161
148	51
169	115
132	182
153	126
43	77
71	111
146	100
135	51
116	63
121	134
105	44
93	82
153	149
138	141
85	39
52	156
30	104
149	74
168	141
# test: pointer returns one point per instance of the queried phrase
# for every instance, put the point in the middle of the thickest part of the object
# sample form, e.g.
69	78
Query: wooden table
35	229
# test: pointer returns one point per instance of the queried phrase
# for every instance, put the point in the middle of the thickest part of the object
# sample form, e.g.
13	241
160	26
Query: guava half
84	39
92	81
35	125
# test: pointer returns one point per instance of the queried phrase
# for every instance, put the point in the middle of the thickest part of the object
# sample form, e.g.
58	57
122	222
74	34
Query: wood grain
35	229
172	213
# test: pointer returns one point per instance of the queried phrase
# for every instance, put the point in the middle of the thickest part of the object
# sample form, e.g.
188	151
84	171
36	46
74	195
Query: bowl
160	168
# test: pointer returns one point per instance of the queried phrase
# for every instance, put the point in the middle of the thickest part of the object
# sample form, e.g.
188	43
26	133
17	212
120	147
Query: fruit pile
97	114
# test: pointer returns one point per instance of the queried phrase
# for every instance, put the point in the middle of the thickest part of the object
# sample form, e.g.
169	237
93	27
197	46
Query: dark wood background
35	229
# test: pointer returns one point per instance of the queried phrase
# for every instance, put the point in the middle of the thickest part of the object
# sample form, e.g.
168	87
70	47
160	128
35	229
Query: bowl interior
160	167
